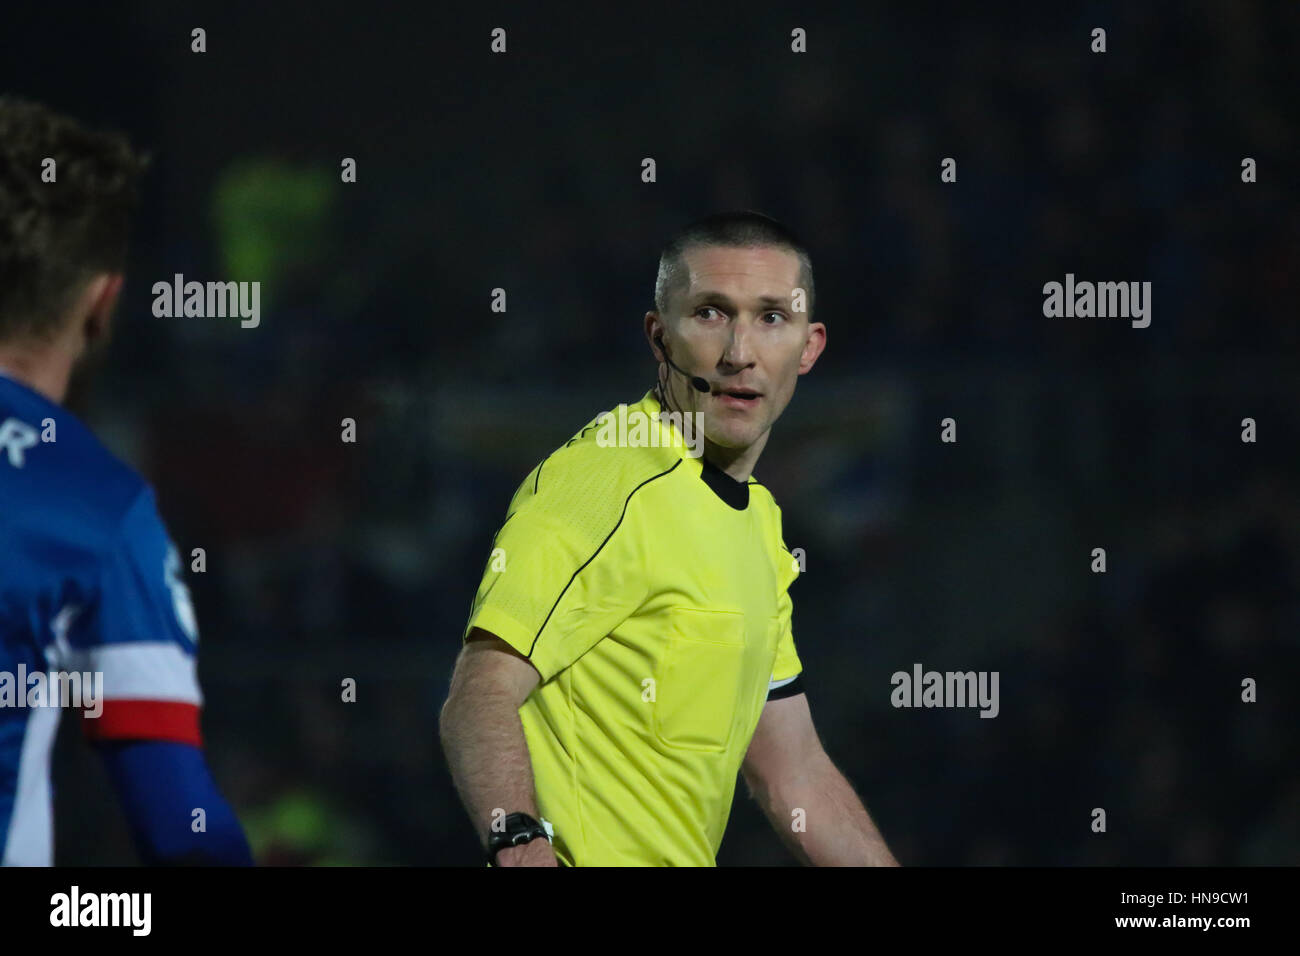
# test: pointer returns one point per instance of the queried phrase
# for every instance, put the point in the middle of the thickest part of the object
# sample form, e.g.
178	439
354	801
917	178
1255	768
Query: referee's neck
736	463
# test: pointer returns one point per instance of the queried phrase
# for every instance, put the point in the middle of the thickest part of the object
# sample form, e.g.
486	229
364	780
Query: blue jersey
94	614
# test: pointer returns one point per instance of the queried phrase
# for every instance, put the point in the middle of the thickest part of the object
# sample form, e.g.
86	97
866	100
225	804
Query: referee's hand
533	853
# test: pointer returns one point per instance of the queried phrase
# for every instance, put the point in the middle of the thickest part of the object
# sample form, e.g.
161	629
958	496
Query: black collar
734	493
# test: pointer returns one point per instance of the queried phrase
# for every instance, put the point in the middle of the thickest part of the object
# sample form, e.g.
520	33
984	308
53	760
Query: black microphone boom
700	384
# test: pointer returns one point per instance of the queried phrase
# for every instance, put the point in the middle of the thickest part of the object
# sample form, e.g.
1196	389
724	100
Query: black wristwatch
520	829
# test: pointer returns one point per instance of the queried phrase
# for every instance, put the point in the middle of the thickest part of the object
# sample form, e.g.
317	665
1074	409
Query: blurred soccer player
630	646
89	581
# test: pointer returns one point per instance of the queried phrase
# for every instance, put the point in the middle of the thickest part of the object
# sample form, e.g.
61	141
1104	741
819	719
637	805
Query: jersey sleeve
564	570
140	638
786	668
160	783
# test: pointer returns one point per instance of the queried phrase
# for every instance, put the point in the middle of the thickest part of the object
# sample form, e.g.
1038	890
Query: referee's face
735	325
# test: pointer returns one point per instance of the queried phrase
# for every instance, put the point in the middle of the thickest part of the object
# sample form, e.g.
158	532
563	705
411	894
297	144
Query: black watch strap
520	828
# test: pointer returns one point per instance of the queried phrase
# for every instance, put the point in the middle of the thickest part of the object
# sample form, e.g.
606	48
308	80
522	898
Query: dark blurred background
328	560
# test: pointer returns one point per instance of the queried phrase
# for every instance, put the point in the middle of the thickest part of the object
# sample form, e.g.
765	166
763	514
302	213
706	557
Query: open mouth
739	397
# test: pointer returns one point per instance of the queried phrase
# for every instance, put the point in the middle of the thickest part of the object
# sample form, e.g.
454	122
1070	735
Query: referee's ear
654	328
813	347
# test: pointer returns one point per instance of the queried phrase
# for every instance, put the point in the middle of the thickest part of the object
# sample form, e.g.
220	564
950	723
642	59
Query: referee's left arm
809	803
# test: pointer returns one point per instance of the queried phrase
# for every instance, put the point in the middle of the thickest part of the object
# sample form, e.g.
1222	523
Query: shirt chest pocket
697	696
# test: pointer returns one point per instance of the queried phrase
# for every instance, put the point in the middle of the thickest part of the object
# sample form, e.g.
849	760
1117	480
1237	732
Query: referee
629	649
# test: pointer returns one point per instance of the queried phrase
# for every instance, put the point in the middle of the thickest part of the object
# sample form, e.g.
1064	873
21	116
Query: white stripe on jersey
30	841
143	670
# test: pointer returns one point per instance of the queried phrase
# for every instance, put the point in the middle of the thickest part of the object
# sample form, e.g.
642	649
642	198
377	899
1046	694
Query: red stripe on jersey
145	720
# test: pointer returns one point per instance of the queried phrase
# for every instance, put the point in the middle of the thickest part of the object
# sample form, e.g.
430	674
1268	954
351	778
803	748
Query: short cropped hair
743	229
56	235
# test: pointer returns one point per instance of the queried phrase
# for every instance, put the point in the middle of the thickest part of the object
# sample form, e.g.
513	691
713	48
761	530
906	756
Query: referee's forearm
822	820
486	751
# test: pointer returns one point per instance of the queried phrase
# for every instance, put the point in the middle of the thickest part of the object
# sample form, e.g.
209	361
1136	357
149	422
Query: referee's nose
739	353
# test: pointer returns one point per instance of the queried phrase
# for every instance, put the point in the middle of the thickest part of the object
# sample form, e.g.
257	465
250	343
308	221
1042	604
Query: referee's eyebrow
724	300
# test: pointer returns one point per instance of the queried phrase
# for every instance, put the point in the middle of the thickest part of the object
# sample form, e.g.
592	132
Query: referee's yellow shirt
650	590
